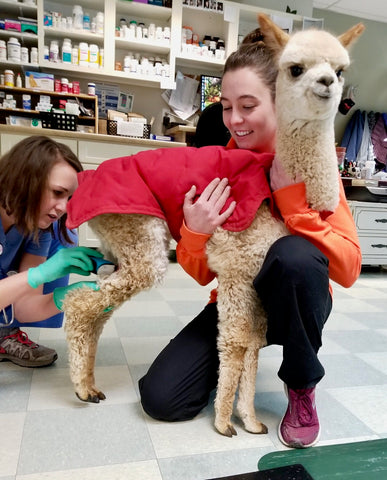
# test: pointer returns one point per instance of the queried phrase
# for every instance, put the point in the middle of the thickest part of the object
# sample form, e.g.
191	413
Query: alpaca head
310	68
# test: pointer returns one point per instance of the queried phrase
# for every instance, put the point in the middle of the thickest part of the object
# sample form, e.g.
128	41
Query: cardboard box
40	81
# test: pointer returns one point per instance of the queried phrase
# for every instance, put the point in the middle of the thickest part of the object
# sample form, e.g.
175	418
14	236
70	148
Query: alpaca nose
326	80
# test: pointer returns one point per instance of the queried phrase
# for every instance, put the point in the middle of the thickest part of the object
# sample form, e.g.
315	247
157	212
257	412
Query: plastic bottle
9	78
46	52
77	17
99	23
13	50
66	50
93	56
3	51
86	22
18	81
24	57
101	57
54	51
75	55
83	57
34	55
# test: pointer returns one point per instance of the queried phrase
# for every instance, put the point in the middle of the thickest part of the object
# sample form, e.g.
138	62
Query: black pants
293	285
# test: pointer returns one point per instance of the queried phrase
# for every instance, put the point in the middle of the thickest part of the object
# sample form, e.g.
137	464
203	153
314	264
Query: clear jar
77	17
13	50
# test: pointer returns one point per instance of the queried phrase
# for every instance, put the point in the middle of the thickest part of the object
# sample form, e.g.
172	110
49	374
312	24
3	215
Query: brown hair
24	172
253	53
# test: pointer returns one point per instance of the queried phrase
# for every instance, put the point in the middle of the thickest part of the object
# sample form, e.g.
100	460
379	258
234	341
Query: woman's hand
65	261
203	216
279	178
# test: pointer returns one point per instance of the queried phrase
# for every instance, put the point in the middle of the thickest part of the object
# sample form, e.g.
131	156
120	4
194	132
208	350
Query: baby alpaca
309	90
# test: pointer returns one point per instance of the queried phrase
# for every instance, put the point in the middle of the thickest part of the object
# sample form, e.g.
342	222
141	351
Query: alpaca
308	93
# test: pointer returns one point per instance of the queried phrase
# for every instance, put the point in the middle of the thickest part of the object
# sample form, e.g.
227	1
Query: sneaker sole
27	363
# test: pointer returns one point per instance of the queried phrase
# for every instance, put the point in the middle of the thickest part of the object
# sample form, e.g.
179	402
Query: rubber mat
347	461
290	472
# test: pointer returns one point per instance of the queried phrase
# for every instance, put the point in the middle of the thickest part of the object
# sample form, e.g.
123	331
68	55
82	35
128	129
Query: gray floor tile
83	437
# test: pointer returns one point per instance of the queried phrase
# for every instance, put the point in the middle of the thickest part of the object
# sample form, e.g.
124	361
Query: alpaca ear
274	37
348	37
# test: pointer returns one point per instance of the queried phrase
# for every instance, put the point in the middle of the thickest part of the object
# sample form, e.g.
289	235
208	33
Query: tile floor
46	433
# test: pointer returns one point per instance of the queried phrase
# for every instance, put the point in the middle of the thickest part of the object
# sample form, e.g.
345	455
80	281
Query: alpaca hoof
259	428
227	430
92	398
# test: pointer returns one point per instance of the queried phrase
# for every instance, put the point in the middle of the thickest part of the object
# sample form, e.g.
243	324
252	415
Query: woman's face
62	182
248	110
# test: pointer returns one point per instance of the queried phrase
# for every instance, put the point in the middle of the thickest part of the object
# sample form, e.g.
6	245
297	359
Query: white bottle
83	57
66	50
77	17
24	57
18	81
54	51
14	50
99	23
101	57
75	55
3	51
93	56
34	55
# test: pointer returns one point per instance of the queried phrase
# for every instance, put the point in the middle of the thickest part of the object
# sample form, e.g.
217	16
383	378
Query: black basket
59	121
112	130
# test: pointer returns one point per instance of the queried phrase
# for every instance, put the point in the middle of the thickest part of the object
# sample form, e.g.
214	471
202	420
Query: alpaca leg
139	243
245	405
231	361
84	326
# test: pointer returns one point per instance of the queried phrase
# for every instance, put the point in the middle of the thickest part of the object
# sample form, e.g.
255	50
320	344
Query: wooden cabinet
371	223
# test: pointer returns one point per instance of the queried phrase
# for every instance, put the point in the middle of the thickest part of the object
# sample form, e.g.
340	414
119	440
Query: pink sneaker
299	427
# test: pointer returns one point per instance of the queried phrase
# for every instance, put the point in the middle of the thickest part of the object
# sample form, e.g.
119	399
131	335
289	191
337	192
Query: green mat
348	461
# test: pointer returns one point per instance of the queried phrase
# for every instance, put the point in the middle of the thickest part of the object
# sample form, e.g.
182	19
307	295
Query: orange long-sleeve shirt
335	235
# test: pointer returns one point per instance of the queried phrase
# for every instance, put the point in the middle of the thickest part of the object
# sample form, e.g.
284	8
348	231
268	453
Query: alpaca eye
296	71
339	73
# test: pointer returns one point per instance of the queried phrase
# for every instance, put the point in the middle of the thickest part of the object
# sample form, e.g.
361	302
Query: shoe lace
22	338
305	406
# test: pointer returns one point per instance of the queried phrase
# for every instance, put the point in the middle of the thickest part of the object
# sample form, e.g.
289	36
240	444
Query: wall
368	70
303	7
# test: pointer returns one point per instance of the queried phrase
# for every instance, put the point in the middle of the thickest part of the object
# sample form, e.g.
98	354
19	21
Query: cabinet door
8	140
91	155
96	152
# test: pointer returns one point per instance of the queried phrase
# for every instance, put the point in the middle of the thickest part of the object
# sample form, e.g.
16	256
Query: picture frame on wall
125	102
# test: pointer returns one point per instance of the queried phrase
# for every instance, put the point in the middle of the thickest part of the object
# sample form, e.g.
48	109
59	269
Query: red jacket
335	235
154	182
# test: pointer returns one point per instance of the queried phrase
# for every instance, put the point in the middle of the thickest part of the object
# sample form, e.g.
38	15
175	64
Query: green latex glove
60	292
64	262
